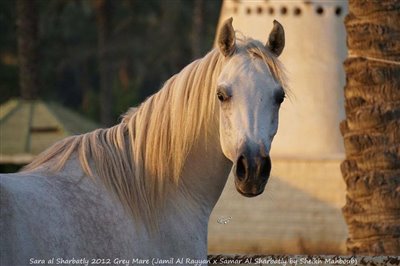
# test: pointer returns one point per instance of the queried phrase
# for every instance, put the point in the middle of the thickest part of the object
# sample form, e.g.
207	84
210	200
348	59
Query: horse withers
143	190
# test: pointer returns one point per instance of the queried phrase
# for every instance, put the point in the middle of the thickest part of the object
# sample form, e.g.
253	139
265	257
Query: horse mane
137	158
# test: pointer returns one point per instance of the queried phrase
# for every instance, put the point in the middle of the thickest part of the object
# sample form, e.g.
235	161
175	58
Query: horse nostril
265	167
241	168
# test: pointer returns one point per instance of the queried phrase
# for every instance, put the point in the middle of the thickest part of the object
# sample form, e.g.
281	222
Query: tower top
286	8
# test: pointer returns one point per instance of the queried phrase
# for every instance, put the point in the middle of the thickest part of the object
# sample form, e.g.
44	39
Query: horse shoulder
49	210
14	229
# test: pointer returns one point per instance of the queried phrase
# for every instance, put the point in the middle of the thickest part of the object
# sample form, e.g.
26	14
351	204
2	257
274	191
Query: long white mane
137	158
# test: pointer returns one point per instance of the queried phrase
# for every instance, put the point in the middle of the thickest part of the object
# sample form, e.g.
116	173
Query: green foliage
8	51
149	42
125	98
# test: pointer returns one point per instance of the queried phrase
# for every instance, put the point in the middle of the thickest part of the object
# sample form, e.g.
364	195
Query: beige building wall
300	212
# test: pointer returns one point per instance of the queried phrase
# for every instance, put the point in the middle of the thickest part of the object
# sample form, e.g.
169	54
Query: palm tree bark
27	32
371	130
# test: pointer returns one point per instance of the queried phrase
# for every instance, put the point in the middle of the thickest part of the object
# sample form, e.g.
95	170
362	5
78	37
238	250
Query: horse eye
222	96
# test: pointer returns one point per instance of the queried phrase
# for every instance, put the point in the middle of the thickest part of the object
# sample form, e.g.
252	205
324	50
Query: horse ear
226	38
276	40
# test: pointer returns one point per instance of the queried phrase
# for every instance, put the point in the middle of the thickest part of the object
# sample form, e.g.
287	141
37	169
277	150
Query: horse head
250	94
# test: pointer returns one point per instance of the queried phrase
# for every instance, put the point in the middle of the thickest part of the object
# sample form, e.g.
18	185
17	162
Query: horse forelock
138	158
257	49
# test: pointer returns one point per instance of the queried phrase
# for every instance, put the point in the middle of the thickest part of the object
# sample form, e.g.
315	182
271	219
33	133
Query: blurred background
69	66
142	43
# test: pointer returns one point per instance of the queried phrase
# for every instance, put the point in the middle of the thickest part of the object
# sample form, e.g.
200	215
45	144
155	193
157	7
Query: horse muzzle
251	172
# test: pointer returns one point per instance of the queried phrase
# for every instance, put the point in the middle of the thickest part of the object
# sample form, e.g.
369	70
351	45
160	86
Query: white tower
308	148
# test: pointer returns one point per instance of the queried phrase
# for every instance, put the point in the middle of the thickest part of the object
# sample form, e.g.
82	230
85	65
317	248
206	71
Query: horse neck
205	172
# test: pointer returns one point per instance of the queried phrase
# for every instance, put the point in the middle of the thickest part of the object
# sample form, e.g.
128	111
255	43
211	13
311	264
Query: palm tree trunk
27	33
371	130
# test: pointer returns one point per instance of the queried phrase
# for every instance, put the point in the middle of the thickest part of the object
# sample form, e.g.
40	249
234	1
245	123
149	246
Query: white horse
143	190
